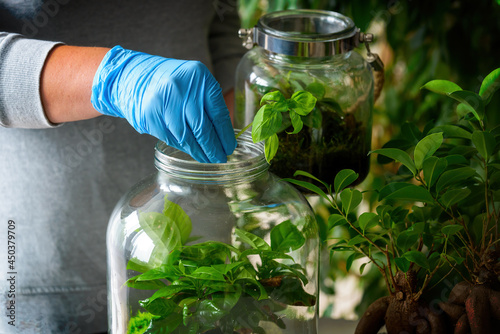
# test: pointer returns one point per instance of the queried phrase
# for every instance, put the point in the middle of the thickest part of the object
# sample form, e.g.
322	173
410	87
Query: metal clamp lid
304	33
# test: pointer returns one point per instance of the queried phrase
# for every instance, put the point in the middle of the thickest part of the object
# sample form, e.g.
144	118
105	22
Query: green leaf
402	263
271	147
138	265
454	176
164	235
309	186
261	294
316	89
350	199
356	240
467	152
454	196
266	122
285	237
306	174
291	292
456	159
296	122
294	270
471	100
164	325
174	212
398	155
211	311
302	102
251	239
407	239
405	191
274	96
490	84
451	229
443	87
343	179
411	133
368	220
265	255
144	285
465	111
485	143
336	220
433	167
350	260
452	131
159	273
314	119
207	273
225	268
171	290
417	257
426	148
159	306
207	253
362	268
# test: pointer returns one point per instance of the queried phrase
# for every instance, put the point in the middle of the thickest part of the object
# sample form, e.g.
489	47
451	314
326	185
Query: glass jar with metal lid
311	50
213	248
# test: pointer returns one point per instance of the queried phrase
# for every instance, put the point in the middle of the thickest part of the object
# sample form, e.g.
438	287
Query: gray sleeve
225	45
21	62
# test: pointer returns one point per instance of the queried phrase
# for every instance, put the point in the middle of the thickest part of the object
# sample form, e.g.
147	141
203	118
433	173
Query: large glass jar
213	248
311	50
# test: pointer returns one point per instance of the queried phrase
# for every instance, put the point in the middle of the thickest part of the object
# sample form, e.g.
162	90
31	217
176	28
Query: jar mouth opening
247	158
307	24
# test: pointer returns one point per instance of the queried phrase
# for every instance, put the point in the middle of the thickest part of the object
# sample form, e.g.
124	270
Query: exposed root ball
460	293
401	315
462	326
452	310
373	318
477	307
479	313
495	304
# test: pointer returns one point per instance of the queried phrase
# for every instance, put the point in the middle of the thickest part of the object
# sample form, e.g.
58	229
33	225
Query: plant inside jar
215	287
310	132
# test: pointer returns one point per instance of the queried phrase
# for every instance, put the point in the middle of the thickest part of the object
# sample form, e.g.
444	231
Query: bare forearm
66	83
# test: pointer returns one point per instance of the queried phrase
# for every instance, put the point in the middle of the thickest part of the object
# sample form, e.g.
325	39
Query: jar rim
328	25
306	32
247	160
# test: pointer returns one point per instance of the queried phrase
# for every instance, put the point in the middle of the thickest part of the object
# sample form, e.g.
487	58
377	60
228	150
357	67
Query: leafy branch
213	285
268	121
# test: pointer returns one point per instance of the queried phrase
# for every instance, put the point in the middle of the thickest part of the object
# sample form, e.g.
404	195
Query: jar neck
306	33
299	61
246	163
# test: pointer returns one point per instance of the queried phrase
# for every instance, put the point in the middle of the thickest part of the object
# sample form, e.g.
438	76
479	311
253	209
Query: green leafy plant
213	286
438	216
269	119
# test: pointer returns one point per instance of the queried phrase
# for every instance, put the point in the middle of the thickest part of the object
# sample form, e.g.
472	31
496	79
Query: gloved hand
177	101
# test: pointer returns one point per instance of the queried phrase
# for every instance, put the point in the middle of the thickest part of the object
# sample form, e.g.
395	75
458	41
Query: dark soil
341	144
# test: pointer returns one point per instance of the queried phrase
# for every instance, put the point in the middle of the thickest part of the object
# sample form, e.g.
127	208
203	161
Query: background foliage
418	41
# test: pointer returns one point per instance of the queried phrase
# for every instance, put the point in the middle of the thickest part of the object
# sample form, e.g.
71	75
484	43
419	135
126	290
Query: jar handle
378	71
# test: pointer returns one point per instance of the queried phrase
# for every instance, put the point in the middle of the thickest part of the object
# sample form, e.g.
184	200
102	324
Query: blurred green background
418	41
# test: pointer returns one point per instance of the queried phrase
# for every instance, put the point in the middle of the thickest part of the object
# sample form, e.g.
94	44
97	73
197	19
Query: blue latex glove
177	101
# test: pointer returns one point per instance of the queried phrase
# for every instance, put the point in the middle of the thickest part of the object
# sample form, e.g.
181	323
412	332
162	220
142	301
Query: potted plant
436	218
